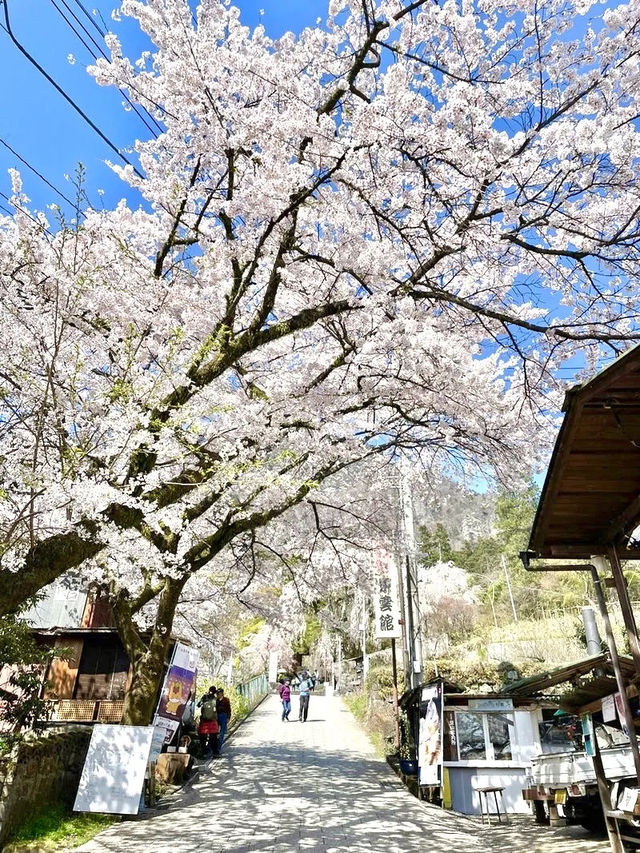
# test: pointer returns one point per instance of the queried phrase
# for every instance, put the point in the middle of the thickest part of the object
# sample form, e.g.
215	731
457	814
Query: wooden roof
591	495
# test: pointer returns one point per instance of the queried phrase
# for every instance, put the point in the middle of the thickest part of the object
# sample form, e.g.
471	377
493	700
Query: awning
591	495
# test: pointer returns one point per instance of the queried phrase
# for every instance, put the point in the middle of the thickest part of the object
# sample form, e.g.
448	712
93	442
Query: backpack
209	710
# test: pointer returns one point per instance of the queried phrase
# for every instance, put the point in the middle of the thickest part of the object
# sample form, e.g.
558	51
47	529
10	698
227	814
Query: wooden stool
495	790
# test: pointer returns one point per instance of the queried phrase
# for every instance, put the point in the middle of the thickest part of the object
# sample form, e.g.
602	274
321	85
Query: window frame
490	756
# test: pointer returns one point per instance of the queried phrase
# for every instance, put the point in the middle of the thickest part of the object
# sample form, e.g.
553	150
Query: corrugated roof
587	686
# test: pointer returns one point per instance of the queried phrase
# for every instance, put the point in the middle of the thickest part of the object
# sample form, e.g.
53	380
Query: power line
91	17
26	213
67	98
93	53
36	172
82	27
103	33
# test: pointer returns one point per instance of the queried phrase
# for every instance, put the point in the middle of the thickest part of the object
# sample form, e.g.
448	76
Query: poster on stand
430	736
114	769
164	729
179	683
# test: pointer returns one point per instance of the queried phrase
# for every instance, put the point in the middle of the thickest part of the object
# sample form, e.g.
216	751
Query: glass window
471	743
477	736
499	736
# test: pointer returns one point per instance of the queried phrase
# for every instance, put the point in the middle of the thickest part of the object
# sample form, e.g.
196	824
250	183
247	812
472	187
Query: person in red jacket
223	709
208	727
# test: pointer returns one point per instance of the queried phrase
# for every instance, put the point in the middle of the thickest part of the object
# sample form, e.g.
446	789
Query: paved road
316	787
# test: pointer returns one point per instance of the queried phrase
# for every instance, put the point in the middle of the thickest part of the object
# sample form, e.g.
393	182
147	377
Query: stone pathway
316	787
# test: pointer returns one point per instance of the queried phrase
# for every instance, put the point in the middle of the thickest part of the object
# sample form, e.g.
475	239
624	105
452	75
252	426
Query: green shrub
240	706
55	827
374	717
379	682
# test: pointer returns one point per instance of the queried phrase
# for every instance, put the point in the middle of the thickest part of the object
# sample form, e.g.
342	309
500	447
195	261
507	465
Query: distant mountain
465	515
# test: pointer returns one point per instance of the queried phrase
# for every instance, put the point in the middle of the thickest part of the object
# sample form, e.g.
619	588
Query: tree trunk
140	701
146	653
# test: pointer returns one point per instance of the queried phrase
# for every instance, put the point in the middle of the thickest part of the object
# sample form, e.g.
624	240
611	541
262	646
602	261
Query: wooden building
88	680
588	517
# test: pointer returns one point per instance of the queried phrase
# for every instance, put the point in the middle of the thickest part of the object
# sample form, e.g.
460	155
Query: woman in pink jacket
285	694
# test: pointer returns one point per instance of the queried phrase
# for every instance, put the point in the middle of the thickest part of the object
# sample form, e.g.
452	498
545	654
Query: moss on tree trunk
140	701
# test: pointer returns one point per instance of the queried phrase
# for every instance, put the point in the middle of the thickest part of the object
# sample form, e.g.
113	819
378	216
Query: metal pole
615	661
365	659
625	606
412	652
396	714
413	600
506	574
592	635
406	666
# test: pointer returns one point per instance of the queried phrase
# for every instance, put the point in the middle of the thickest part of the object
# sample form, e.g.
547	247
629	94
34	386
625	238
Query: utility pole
406	663
365	659
413	601
396	713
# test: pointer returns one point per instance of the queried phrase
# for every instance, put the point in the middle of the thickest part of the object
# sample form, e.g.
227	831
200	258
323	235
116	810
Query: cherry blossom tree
384	235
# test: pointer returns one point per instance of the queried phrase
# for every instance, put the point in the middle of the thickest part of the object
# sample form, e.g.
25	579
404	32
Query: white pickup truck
565	782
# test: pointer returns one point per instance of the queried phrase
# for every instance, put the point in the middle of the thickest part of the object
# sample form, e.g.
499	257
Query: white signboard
491	704
114	769
386	601
273	666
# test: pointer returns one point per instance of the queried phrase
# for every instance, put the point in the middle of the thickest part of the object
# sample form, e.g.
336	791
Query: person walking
305	688
285	695
208	726
223	711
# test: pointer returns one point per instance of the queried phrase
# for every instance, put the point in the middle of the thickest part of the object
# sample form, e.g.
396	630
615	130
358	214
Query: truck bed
562	769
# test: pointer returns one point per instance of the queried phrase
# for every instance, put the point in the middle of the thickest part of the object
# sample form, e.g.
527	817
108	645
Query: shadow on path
316	787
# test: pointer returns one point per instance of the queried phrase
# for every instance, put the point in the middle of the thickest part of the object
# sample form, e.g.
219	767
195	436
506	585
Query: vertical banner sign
177	690
430	735
386	601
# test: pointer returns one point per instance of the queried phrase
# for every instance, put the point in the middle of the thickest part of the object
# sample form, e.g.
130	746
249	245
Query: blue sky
44	129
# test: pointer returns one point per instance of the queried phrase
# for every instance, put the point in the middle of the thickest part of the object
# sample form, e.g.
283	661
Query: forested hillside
481	611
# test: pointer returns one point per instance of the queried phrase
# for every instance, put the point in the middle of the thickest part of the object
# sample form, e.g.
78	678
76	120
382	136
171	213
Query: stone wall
42	770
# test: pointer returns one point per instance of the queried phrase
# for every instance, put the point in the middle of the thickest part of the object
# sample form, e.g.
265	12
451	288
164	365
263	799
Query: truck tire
592	818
